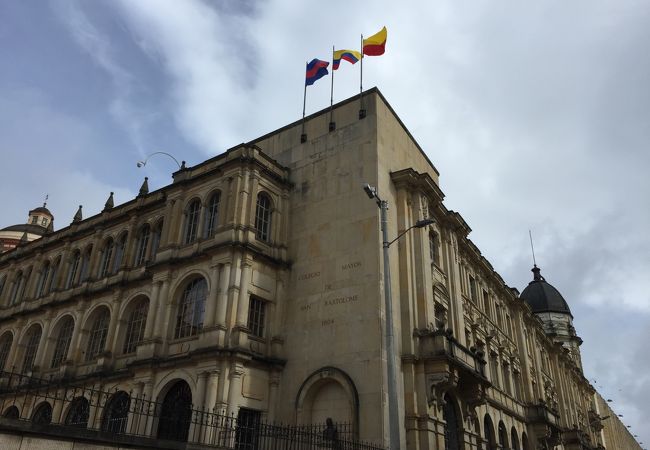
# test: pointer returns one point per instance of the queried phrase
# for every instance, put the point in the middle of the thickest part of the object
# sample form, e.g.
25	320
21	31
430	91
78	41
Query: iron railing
52	406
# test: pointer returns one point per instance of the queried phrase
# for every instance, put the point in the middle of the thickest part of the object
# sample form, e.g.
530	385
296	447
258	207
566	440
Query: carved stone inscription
308	275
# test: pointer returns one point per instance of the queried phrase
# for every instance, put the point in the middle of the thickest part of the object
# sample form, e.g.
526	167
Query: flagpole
332	124
303	135
362	112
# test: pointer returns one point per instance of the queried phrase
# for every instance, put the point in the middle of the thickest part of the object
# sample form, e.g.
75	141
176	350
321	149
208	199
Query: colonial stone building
253	285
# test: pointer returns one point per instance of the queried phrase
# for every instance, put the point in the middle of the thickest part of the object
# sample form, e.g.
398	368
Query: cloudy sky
537	115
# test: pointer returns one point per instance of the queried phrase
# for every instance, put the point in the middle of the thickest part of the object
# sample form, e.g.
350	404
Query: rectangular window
494	371
472	288
256	313
486	302
433	248
248	429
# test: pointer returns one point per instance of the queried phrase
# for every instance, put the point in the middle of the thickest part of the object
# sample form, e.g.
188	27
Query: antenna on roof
532	248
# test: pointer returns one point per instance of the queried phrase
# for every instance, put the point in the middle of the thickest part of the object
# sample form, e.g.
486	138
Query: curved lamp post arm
419	224
144	163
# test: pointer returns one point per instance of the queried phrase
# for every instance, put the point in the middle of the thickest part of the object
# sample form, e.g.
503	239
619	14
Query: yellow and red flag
375	45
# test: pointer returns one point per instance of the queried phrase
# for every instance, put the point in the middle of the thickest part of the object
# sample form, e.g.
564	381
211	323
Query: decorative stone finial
144	189
537	276
109	203
78	216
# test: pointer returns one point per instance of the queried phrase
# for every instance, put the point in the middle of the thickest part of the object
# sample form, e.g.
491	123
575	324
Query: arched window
119	252
212	215
78	413
12	413
51	284
18	288
42	414
105	261
74	268
141	247
263	217
155	239
116	413
5	347
135	326
452	424
97	333
503	436
32	339
85	264
176	413
3	280
191	309
524	442
514	439
489	433
63	338
192	215
41	285
433	248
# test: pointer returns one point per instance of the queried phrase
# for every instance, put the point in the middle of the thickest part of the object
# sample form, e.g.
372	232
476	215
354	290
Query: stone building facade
253	285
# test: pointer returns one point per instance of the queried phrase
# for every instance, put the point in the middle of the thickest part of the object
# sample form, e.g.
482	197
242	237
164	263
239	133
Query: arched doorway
489	433
116	413
176	413
503	435
328	393
453	431
78	413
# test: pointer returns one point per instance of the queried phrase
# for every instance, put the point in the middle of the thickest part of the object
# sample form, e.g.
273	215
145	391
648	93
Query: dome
543	297
42	210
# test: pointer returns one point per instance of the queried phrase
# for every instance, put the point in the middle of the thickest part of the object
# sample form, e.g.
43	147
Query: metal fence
50	405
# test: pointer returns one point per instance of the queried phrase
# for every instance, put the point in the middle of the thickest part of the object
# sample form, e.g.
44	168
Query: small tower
551	308
40	221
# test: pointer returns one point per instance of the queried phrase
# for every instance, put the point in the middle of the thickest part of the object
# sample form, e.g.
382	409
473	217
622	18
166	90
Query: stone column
213	298
39	360
211	390
242	303
234	390
134	423
163	312
222	296
274	383
153	310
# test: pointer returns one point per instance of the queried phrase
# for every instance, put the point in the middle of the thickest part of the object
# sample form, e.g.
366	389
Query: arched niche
328	393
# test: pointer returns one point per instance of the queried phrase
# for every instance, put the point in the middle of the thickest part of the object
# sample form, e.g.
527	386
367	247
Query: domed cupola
39	223
550	307
543	297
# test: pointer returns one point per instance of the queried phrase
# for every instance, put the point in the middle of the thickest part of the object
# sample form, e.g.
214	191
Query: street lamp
393	413
144	163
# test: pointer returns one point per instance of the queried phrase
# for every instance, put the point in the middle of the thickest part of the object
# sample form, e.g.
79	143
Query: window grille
74	267
119	253
192	221
191	309
62	342
31	346
247	431
78	413
135	326
176	413
433	248
51	284
43	414
263	217
5	347
17	291
256	313
212	215
42	280
143	241
97	337
105	263
85	265
117	413
155	239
